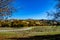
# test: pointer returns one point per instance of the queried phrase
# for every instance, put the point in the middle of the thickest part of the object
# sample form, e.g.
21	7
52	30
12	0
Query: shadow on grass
46	37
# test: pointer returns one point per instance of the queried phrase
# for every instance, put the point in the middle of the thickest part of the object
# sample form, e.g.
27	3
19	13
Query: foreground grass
38	30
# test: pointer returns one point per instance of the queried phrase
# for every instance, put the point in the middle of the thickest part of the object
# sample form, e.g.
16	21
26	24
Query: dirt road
21	29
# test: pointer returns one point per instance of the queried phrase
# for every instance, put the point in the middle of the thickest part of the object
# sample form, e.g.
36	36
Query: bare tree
6	9
56	15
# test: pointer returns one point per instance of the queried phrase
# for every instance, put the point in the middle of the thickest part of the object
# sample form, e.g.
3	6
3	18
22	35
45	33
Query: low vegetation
27	23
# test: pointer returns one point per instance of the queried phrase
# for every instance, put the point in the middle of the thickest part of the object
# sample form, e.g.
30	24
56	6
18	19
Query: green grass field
37	30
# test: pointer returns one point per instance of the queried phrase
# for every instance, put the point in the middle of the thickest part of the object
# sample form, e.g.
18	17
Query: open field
29	31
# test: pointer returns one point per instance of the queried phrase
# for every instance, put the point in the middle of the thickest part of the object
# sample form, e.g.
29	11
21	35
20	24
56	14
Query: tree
6	9
56	15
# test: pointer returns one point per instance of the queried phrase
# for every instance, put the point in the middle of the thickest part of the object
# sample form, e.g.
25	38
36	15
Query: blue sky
32	9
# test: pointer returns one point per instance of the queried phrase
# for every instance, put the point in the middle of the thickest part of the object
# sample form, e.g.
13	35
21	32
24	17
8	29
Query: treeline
27	23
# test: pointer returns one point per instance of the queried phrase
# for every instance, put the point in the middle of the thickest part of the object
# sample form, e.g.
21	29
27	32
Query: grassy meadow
35	31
